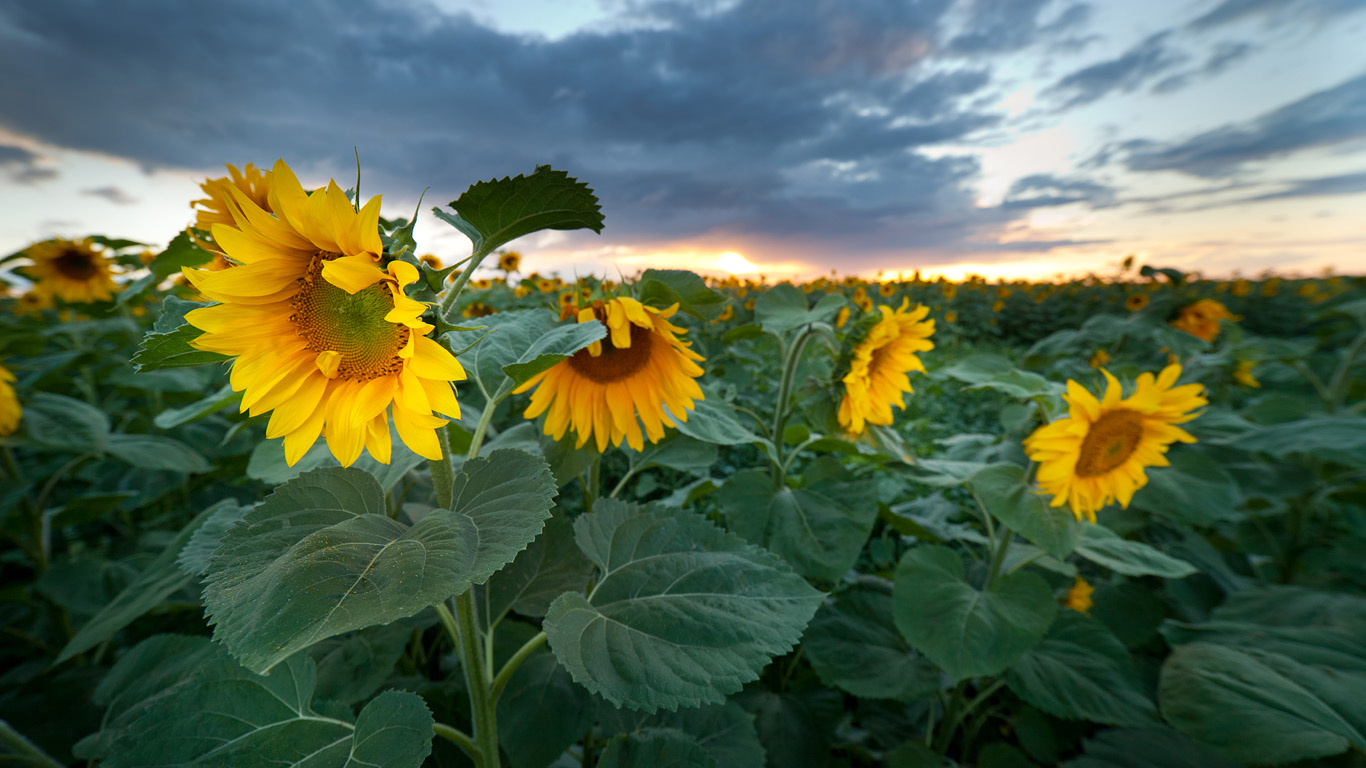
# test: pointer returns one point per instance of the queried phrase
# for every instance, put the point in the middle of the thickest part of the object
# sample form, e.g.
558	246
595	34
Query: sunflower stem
505	674
482	712
459	738
443	474
1342	377
448	298
999	558
790	359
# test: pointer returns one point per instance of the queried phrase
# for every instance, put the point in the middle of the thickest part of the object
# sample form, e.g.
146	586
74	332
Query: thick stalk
481	703
789	372
459	738
999	557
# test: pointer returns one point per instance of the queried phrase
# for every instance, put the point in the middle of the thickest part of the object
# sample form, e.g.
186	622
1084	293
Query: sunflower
1136	301
886	290
1079	596
1096	454
509	261
1201	319
71	270
641	373
1100	358
877	370
430	260
1243	374
217	207
951	316
9	403
323	336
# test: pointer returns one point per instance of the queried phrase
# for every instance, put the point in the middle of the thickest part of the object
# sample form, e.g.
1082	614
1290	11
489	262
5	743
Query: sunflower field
292	492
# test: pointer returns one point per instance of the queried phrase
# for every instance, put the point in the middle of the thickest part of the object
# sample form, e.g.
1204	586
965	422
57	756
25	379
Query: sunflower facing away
323	336
9	403
217	207
1201	319
71	270
1096	454
641	373
877	373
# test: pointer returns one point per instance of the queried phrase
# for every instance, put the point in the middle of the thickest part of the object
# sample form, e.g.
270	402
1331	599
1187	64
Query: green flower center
351	324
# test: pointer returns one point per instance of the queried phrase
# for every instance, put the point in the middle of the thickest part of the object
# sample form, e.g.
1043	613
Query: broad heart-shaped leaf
541	712
172	350
1147	747
968	632
1081	671
1336	438
550	566
819	529
663	288
713	420
520	345
683	613
988	371
64	423
318	557
783	308
853	645
508	495
655	748
726	731
1259	707
161	578
224	715
353	666
1131	558
1009	499
495	212
194	556
156	452
1194	490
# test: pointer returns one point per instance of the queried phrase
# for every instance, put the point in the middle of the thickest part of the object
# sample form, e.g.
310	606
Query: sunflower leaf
683	612
172	350
1008	498
854	645
1131	558
652	747
496	212
520	345
662	288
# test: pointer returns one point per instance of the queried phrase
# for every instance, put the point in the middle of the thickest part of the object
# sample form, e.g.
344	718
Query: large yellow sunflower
641	373
217	207
9	403
322	335
72	270
877	373
1096	454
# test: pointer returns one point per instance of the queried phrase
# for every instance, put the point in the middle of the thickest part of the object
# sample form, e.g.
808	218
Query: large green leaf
1131	558
988	371
156	452
663	288
1147	747
508	495
854	645
1194	490
725	731
966	631
174	417
172	350
1338	438
1008	498
319	557
353	666
550	566
64	423
819	528
796	729
1081	671
161	578
224	715
655	748
1261	708
1285	606
495	212
194	556
541	712
783	308
682	614
519	345
713	420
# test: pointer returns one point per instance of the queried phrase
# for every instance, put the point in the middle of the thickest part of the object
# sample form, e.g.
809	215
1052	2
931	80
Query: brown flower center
76	264
353	325
615	364
1110	442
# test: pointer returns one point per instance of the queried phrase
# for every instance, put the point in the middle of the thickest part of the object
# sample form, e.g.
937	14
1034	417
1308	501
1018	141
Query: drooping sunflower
642	373
216	208
1096	454
322	335
877	371
10	411
74	271
1201	319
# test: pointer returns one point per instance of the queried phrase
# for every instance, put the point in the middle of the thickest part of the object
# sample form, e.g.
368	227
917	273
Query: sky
789	138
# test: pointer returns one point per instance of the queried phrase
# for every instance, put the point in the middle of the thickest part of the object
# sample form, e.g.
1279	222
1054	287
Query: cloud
1329	117
744	117
1002	26
1274	12
23	166
1225	54
1043	190
113	194
1343	184
1127	72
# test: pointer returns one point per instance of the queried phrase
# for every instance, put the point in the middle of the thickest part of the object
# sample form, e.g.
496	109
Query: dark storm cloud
1043	190
752	117
1326	118
23	166
1127	72
113	194
1275	11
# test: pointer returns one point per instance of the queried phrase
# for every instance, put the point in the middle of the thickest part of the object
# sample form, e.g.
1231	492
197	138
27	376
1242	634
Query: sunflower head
1097	453
10	412
1079	596
323	335
878	366
641	374
75	271
951	316
215	207
1136	301
1201	319
509	261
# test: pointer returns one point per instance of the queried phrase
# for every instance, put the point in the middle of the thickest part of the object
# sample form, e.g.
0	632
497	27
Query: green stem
460	738
505	674
592	482
1313	378
443	474
30	753
10	466
448	299
998	558
790	360
951	718
482	712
